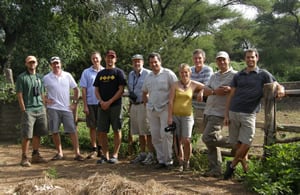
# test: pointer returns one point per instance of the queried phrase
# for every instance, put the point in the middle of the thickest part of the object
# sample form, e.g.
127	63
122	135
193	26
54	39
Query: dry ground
89	178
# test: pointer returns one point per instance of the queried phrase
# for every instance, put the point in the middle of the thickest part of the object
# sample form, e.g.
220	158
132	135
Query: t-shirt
108	82
26	84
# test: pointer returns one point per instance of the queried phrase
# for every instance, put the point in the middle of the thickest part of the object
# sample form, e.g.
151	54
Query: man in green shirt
30	94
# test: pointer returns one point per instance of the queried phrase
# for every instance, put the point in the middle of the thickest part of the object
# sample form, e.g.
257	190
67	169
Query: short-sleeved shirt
58	90
249	90
25	84
203	77
108	82
135	83
215	104
158	87
87	80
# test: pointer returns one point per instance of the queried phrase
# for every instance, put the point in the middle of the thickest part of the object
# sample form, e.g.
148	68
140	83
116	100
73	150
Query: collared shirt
87	80
135	82
215	104
58	90
25	84
158	87
203	77
249	90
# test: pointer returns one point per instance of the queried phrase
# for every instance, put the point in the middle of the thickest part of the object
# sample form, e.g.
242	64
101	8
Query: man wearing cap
217	89
58	84
90	101
202	74
109	87
30	94
242	104
156	90
138	115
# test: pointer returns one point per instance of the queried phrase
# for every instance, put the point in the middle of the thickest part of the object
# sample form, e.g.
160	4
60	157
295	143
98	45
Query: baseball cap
137	57
222	54
111	53
30	59
54	59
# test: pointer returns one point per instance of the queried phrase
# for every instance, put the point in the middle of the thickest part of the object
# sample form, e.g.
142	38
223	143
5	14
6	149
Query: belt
137	103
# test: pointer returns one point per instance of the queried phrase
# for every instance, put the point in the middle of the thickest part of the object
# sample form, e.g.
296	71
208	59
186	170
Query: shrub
279	173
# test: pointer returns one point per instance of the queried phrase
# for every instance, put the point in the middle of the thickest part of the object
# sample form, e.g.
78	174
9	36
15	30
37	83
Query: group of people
164	110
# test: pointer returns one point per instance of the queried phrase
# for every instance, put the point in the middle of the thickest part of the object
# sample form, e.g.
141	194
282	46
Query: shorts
111	116
34	123
138	120
91	118
241	127
56	117
184	126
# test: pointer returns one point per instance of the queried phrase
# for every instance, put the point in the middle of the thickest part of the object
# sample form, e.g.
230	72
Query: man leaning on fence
242	105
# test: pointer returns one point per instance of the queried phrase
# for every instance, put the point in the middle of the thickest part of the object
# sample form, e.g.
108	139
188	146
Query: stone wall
10	117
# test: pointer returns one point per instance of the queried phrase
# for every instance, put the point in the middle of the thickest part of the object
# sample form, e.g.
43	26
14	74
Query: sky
247	11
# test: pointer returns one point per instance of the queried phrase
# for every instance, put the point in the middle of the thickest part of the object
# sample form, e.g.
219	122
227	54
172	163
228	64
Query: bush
279	173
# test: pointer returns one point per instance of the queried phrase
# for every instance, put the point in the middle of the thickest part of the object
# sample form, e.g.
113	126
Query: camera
171	127
36	91
132	96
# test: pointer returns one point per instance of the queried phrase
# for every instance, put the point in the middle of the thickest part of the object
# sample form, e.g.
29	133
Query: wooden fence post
270	116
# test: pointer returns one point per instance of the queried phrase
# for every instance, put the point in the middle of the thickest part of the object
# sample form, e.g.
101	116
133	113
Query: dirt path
76	177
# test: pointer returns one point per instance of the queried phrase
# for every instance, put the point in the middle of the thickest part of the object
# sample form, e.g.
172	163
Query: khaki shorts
34	123
138	120
241	127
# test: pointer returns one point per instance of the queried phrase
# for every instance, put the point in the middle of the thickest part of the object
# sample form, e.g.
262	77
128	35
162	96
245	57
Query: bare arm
21	101
228	100
280	92
85	106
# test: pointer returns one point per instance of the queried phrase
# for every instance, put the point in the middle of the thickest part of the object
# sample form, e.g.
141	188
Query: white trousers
161	140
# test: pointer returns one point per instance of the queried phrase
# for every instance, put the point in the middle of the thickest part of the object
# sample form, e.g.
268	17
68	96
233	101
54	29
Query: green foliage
199	161
7	91
52	173
279	173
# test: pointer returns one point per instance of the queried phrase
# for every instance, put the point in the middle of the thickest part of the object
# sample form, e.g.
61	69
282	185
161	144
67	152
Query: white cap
222	54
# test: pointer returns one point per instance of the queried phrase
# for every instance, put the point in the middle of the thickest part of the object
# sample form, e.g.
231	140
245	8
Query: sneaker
141	157
113	160
149	160
37	158
25	162
102	160
180	168
79	158
186	165
212	173
229	171
57	157
92	155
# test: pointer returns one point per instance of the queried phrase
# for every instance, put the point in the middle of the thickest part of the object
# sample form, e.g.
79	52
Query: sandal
79	158
57	157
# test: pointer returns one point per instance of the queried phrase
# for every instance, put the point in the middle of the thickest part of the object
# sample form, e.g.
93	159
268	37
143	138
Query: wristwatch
75	101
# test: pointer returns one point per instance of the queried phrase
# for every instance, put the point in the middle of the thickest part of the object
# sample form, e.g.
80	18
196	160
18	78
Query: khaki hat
137	57
222	54
30	59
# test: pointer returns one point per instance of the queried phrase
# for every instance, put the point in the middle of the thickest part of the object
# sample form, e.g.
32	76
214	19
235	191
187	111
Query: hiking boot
25	161
141	157
149	160
229	171
37	158
79	158
180	168
92	155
